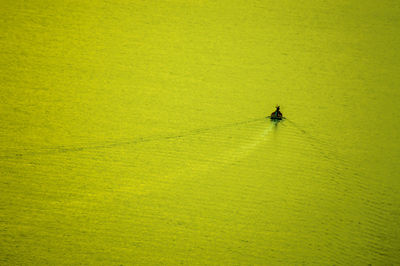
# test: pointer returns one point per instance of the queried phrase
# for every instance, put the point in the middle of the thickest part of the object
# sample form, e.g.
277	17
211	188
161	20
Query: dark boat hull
275	118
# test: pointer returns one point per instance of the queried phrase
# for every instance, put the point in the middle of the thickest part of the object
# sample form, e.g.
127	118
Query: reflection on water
135	133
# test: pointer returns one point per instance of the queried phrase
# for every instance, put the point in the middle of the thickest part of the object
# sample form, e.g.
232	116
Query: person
277	113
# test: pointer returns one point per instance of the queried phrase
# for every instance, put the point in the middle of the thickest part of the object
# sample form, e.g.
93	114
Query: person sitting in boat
277	113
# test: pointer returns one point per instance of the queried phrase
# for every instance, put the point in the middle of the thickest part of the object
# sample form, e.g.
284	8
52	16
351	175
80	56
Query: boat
276	115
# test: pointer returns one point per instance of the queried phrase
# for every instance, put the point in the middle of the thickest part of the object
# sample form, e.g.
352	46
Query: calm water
134	132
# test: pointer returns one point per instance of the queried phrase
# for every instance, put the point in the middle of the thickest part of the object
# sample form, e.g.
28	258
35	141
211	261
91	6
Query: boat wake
247	148
18	153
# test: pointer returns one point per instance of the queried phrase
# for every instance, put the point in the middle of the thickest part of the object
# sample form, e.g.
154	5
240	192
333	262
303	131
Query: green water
134	132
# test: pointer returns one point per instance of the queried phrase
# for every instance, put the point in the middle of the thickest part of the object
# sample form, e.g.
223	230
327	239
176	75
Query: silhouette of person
277	113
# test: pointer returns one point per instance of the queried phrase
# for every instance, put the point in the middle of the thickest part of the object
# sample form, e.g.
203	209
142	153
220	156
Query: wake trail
106	145
248	147
325	148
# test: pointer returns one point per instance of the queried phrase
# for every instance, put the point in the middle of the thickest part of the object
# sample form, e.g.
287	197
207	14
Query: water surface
134	132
